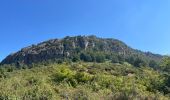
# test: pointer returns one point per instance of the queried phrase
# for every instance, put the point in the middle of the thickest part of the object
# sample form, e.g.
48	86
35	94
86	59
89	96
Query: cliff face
69	46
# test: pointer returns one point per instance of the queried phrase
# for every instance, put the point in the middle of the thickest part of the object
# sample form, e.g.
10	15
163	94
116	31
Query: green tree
153	64
115	59
139	62
76	58
130	60
85	57
165	64
100	58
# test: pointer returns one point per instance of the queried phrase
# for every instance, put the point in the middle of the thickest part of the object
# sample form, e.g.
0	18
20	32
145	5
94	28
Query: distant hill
73	48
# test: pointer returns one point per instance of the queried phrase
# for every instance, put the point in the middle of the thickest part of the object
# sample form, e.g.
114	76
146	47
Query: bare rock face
67	48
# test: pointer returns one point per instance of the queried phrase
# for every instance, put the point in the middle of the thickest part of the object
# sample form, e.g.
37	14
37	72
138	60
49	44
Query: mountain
103	68
74	48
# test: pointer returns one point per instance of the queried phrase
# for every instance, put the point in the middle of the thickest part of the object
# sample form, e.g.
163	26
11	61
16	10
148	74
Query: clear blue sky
142	24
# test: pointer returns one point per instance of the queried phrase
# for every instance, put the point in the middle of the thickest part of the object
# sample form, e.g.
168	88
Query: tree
131	60
139	62
115	59
100	58
165	64
153	64
76	58
85	57
121	58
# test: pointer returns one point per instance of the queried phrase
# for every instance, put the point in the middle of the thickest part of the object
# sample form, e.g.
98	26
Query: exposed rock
67	47
86	44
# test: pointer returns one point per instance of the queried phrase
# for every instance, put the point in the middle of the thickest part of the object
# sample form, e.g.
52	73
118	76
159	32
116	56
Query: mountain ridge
68	47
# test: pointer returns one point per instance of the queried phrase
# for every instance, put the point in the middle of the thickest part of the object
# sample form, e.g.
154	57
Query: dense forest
84	68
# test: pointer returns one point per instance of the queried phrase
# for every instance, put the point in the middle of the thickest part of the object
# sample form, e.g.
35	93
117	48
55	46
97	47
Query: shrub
86	57
83	77
65	74
100	58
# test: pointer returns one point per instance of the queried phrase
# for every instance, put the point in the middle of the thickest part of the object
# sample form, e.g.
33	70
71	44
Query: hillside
84	68
83	81
84	48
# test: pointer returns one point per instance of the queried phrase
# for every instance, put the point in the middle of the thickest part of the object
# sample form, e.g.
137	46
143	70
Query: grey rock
66	48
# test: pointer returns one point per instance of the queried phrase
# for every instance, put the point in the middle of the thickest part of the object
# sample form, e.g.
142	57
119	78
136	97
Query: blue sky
142	24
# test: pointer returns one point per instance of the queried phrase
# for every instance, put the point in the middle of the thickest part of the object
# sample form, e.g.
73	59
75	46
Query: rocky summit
69	47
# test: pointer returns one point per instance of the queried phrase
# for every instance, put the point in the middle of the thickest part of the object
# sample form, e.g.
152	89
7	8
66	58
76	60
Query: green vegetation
85	81
84	68
82	48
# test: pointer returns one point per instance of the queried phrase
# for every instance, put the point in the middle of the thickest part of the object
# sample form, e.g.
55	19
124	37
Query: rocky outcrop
68	47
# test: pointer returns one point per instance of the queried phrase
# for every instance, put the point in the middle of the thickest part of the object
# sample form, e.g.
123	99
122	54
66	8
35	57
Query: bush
65	74
100	58
83	77
86	57
153	64
115	59
139	62
85	81
76	58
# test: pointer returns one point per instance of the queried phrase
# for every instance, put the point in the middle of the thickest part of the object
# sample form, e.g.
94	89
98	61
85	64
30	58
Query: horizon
80	35
142	25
